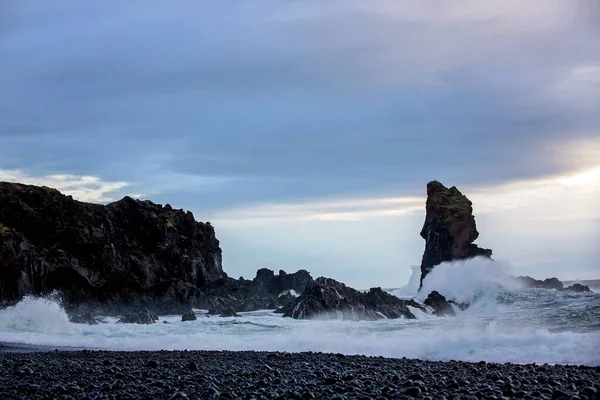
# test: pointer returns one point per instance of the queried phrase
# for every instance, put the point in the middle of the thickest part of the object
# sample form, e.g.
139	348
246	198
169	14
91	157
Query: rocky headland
137	259
123	257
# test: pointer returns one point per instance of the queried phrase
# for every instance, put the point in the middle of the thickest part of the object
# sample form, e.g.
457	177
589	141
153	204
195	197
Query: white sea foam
472	336
463	281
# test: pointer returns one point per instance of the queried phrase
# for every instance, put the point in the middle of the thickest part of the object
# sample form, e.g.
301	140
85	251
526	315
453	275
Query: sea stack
449	229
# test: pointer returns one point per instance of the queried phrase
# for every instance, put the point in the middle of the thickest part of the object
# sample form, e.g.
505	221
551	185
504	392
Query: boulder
189	316
230	312
449	229
143	316
439	304
330	299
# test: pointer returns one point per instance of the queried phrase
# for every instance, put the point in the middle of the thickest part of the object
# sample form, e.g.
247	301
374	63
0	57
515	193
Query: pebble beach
87	374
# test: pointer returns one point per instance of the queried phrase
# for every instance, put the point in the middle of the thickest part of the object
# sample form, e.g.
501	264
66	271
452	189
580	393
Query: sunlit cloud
566	196
83	188
348	210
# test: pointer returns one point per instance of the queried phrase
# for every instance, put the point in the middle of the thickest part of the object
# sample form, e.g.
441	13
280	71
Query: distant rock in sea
449	229
551	283
578	288
328	298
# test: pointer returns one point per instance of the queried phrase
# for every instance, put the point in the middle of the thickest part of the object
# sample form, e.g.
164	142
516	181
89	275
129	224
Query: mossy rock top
452	200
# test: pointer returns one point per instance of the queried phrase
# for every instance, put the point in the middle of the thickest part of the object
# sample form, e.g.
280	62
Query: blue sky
307	131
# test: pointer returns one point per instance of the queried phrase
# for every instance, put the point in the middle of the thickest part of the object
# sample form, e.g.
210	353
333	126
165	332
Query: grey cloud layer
259	101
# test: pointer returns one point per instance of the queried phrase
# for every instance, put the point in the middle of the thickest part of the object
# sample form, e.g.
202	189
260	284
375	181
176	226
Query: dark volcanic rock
328	298
230	312
189	316
129	251
266	291
129	254
578	288
449	229
143	316
441	307
551	283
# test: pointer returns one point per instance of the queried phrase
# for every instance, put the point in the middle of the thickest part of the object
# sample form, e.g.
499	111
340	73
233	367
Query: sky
306	132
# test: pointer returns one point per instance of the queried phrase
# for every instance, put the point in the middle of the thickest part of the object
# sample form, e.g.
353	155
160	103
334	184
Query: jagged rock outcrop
551	284
129	251
578	288
328	298
449	229
266	291
439	304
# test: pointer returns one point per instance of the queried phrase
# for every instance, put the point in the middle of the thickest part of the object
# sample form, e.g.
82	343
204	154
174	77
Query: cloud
83	188
569	195
223	109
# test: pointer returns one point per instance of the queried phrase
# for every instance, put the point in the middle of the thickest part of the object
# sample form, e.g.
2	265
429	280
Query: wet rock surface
578	288
189	316
449	229
328	298
259	375
439	304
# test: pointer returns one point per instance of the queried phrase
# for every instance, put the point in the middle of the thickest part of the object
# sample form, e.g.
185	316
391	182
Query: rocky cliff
449	229
126	251
129	253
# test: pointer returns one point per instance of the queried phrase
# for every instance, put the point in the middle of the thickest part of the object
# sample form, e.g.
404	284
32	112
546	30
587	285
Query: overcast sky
307	131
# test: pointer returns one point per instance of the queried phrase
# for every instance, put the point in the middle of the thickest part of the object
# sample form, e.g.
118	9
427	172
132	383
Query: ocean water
505	323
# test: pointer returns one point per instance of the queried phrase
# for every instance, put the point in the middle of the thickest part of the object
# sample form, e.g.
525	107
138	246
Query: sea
504	323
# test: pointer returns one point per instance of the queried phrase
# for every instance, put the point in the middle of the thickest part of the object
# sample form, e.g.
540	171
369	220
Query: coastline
249	374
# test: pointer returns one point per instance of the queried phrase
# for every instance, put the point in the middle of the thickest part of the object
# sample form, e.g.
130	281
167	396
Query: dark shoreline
87	374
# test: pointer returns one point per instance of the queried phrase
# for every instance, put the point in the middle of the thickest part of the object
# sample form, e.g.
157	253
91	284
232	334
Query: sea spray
501	325
463	281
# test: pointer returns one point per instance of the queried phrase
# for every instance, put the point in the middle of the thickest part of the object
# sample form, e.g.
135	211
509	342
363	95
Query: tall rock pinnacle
449	229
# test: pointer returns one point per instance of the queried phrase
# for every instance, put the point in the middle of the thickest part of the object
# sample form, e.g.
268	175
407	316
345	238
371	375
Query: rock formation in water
578	288
551	283
188	316
266	291
328	298
439	305
449	229
130	252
